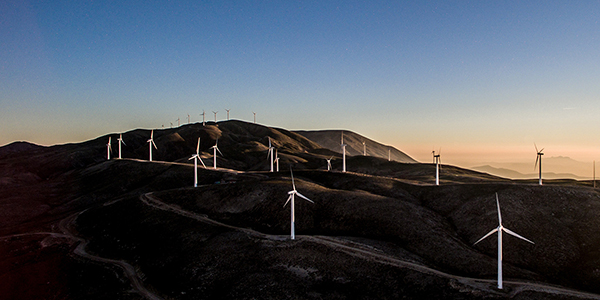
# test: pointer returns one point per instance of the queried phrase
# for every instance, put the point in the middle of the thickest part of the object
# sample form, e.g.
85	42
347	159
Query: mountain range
75	225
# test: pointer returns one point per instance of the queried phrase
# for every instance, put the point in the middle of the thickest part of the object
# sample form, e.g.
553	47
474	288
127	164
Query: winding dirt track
512	288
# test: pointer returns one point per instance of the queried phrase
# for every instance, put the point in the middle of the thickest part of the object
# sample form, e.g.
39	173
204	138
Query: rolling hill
77	226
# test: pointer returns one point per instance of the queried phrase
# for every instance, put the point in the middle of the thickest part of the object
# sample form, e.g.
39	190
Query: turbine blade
193	156
288	200
153	143
304	197
152	134
220	152
536	149
489	233
198	147
536	161
200	159
516	235
498	205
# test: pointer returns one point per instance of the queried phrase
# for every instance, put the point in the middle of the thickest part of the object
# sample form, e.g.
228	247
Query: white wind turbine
254	117
108	149
178	122
196	158
227	113
215	112
437	160
121	141
151	143
364	148
270	152
292	194
343	153
539	157
277	159
499	229
203	114
215	149
188	118
329	163
389	154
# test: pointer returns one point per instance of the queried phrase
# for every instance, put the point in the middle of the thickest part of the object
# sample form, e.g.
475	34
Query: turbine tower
196	158
151	143
203	114
178	122
438	160
364	148
108	149
270	152
121	141
254	117
188	118
389	154
227	113
343	153
277	159
538	158
215	149
292	194
499	229
215	112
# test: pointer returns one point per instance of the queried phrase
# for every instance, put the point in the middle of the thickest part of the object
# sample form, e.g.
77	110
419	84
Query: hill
331	139
77	226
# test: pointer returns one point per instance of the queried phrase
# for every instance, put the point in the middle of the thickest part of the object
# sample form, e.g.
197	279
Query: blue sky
484	80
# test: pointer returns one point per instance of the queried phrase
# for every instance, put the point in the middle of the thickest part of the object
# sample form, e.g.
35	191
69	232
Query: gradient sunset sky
484	80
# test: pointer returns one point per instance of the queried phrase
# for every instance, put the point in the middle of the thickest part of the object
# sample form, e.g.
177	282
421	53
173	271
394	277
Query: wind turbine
108	149
438	160
594	174
227	113
538	158
270	152
171	125
203	114
178	122
254	117
188	118
499	229
364	148
292	194
277	159
215	149
215	112
343	153
196	158
329	163
151	143
121	141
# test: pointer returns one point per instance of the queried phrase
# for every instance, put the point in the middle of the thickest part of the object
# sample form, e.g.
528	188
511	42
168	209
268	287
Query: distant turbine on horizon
151	143
215	112
437	160
499	229
292	194
215	149
108	149
254	117
121	141
196	158
538	158
178	122
227	113
343	153
188	118
203	114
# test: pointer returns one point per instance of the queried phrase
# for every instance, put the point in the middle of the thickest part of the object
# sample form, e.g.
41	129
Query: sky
482	80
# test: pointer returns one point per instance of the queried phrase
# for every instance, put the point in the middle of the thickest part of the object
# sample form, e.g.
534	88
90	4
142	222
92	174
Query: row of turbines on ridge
274	161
